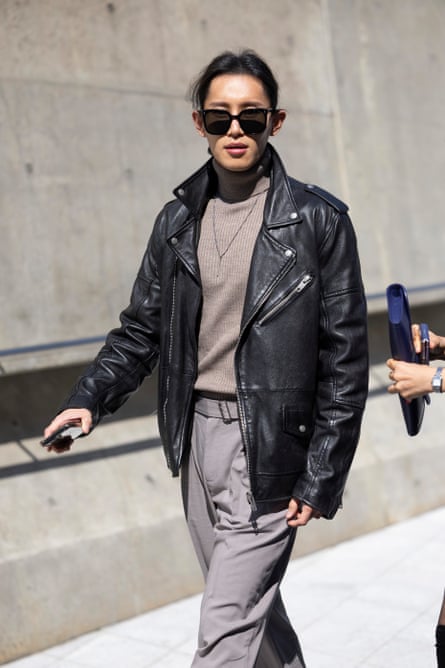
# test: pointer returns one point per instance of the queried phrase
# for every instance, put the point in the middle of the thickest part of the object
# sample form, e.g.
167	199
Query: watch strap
436	381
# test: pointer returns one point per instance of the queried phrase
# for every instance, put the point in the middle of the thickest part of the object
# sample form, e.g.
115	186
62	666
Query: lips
236	149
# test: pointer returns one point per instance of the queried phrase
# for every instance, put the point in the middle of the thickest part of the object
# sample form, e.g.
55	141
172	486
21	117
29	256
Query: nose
235	128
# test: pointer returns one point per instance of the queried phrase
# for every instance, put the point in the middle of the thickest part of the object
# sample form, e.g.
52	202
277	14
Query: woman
250	299
414	380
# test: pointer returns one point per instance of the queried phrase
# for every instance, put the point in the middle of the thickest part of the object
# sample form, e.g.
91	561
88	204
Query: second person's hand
410	380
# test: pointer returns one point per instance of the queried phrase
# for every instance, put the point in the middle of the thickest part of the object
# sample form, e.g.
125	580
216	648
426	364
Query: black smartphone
68	432
425	351
425	343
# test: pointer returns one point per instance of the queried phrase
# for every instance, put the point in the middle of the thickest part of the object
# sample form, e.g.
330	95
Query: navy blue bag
402	348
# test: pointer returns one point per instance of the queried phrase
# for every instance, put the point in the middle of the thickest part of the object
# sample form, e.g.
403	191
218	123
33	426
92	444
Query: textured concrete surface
95	132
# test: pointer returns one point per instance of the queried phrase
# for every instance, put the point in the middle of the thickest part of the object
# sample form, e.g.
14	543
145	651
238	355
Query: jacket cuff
325	504
80	402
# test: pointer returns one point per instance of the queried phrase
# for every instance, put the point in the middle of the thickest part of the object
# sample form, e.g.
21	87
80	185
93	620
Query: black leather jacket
301	361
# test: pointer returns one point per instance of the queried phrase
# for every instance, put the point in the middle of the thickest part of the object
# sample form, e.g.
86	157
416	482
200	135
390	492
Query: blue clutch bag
402	348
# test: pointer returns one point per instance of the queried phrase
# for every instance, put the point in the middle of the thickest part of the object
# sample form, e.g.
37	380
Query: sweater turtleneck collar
239	186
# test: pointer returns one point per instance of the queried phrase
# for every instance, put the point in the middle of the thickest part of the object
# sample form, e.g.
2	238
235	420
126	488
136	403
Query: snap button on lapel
302	428
174	241
288	252
293	215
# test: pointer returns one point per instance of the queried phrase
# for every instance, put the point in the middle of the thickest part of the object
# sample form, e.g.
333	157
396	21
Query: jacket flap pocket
298	420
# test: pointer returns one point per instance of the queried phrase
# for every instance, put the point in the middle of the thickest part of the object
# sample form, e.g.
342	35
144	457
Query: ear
197	120
278	118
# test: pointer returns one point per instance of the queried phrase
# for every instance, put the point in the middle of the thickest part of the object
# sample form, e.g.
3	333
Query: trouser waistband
224	409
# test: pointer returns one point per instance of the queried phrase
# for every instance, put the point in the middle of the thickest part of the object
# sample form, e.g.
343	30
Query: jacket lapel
194	195
272	257
270	262
183	243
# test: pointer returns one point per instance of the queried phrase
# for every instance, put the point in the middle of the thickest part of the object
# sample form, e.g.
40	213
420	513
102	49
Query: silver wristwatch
436	381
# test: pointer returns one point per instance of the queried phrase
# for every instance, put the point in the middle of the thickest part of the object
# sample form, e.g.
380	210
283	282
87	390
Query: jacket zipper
301	285
242	419
170	352
249	495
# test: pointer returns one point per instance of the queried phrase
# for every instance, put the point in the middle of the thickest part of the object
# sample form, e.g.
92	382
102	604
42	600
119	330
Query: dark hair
228	62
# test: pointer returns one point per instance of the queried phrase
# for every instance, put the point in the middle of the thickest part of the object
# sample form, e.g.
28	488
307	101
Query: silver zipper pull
304	281
251	501
254	512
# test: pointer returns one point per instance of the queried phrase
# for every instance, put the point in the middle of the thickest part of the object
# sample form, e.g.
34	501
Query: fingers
86	422
78	416
409	379
394	376
436	344
299	514
398	371
415	331
293	509
391	364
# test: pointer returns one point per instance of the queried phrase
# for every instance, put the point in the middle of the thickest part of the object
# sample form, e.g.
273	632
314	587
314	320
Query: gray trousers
243	622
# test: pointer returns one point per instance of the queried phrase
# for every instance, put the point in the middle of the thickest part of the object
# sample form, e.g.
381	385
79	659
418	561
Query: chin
237	165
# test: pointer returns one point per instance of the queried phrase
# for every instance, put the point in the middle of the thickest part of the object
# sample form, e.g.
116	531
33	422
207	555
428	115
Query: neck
238	186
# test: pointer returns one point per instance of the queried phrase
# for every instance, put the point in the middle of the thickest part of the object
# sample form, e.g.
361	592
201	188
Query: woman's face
235	150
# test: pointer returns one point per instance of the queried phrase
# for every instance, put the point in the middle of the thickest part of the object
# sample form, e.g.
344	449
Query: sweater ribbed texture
229	229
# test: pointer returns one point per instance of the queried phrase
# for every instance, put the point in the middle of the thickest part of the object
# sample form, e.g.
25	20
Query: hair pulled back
228	62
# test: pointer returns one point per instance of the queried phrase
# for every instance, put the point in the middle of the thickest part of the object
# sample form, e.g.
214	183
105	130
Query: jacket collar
280	208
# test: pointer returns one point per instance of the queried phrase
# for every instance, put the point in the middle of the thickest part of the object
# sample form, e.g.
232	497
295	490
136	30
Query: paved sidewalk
370	602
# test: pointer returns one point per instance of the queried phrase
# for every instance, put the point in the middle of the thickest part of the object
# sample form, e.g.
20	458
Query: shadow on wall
28	401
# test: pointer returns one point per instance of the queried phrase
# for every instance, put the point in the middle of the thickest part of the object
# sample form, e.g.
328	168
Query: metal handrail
23	350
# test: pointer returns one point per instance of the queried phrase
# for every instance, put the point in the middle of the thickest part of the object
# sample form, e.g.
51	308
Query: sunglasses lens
217	121
252	121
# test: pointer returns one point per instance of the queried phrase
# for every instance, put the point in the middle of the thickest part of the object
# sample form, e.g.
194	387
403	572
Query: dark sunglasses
252	121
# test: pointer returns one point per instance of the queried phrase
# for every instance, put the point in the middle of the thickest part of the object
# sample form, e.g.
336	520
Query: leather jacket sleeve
342	369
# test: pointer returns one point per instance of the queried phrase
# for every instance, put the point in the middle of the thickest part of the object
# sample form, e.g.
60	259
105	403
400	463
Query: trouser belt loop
224	409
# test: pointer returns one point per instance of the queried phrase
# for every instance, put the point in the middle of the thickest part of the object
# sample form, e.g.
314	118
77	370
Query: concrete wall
95	132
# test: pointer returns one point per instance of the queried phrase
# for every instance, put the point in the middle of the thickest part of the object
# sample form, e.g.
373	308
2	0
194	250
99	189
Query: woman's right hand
79	416
437	343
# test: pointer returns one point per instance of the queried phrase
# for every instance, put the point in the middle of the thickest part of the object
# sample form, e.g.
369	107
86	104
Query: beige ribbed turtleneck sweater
229	229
